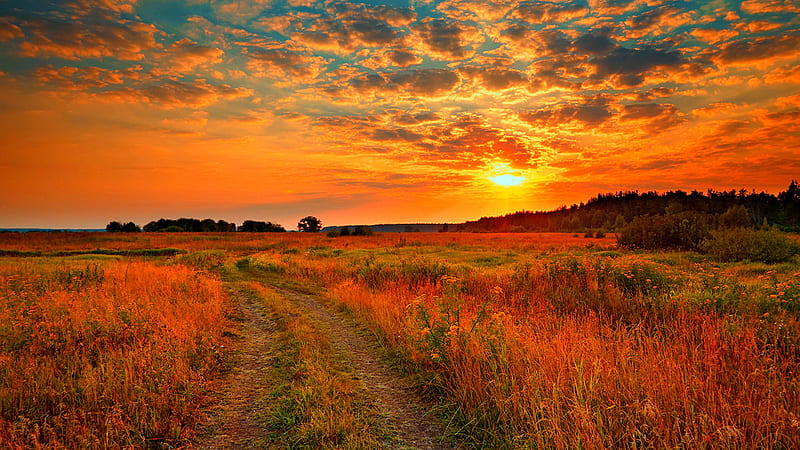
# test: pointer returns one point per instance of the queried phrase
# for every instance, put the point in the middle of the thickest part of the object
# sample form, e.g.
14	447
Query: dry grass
531	346
104	354
527	339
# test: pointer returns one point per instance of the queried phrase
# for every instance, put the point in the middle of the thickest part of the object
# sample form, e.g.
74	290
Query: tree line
614	211
307	224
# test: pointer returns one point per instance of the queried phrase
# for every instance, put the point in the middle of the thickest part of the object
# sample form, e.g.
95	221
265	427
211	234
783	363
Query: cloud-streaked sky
376	112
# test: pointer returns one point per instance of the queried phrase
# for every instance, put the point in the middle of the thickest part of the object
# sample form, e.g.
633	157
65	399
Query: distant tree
208	225
131	227
255	226
114	227
225	226
309	224
362	231
344	231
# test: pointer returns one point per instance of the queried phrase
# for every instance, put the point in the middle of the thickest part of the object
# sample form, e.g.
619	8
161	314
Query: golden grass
578	347
529	340
104	355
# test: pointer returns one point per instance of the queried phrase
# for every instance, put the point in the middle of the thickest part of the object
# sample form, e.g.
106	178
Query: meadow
518	340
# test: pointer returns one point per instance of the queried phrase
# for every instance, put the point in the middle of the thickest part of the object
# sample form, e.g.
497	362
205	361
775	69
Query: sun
507	180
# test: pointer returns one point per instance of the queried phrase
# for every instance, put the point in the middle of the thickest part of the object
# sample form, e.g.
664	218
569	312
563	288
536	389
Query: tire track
396	398
233	422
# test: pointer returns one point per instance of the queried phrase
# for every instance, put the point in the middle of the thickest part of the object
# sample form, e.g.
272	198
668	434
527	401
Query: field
514	340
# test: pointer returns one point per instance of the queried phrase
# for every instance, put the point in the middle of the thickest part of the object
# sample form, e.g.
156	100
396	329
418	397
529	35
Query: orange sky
380	112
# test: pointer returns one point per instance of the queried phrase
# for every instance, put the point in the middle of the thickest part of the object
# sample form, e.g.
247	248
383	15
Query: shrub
740	244
683	231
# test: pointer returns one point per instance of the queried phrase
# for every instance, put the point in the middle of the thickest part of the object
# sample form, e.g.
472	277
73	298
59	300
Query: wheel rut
396	398
233	422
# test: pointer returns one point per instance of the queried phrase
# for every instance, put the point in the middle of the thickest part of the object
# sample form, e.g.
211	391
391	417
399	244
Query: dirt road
234	424
399	402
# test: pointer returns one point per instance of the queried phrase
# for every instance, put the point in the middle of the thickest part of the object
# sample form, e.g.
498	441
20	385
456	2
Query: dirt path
396	398
233	424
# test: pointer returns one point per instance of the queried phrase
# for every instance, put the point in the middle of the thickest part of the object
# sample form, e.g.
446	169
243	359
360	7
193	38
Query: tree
309	224
736	216
131	227
114	227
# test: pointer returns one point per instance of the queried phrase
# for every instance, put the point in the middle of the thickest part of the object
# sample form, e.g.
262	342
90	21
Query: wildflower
434	355
425	331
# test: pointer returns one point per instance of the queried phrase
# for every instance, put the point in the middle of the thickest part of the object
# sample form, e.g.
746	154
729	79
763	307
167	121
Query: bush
683	231
740	244
362	231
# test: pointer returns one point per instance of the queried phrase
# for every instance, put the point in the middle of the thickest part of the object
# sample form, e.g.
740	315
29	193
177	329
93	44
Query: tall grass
112	355
583	349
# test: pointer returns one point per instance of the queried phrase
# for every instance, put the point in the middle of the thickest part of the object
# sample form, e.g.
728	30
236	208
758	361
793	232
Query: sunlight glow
507	180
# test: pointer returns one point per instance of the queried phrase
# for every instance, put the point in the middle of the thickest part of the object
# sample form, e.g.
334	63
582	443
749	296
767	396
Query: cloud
628	67
177	94
524	42
285	64
85	78
81	8
185	55
9	31
238	11
769	6
593	44
414	82
657	21
652	117
496	78
347	27
445	39
462	141
590	113
93	37
713	35
539	12
761	49
398	57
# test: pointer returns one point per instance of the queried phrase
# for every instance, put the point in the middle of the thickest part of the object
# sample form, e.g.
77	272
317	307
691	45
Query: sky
365	112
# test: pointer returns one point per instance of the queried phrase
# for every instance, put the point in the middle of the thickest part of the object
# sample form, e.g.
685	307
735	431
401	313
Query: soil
233	422
396	398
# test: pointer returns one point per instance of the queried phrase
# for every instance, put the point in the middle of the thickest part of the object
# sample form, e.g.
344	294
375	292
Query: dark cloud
177	94
541	42
417	82
593	44
496	78
416	119
93	37
652	117
446	38
85	78
395	134
758	49
285	64
592	112
347	27
628	67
